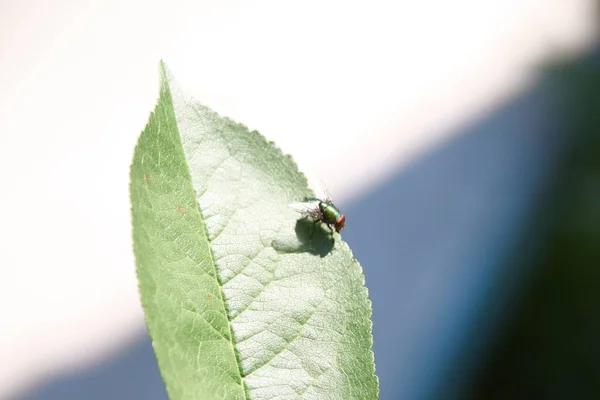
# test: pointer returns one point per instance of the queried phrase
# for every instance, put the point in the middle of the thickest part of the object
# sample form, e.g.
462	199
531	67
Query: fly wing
320	189
309	209
326	194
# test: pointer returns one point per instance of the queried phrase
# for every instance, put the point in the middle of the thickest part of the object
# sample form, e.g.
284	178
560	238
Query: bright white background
385	81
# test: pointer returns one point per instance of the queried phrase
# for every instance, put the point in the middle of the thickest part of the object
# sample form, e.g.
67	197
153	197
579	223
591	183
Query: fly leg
318	218
313	227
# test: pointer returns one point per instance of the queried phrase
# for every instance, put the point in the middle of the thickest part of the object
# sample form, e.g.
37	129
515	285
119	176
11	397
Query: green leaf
242	301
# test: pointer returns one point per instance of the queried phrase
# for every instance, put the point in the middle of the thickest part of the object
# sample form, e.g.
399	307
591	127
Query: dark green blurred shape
549	347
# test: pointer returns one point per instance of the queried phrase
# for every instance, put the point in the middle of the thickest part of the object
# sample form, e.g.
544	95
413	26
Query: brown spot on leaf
181	209
147	178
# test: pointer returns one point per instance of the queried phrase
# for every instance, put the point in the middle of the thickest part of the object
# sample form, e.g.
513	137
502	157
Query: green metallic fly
322	210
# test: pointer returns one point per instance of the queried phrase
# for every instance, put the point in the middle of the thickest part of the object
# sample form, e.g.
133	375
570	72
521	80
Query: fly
322	210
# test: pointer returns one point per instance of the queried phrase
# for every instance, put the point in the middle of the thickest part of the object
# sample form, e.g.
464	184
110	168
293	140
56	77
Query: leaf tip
165	75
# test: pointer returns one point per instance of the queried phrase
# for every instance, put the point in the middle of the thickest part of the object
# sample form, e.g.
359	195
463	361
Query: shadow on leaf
316	237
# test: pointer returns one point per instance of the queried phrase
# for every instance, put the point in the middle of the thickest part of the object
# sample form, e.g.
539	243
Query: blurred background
468	165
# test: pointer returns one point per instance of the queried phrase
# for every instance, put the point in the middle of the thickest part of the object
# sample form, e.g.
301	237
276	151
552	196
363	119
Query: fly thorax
330	212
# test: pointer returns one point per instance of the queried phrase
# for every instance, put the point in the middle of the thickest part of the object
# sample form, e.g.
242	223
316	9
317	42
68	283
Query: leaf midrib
211	253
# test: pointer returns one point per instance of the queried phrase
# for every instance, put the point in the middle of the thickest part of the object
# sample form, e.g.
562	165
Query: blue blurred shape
434	239
130	374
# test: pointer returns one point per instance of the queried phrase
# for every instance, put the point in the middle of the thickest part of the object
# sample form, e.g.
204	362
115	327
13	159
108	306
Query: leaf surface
243	298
